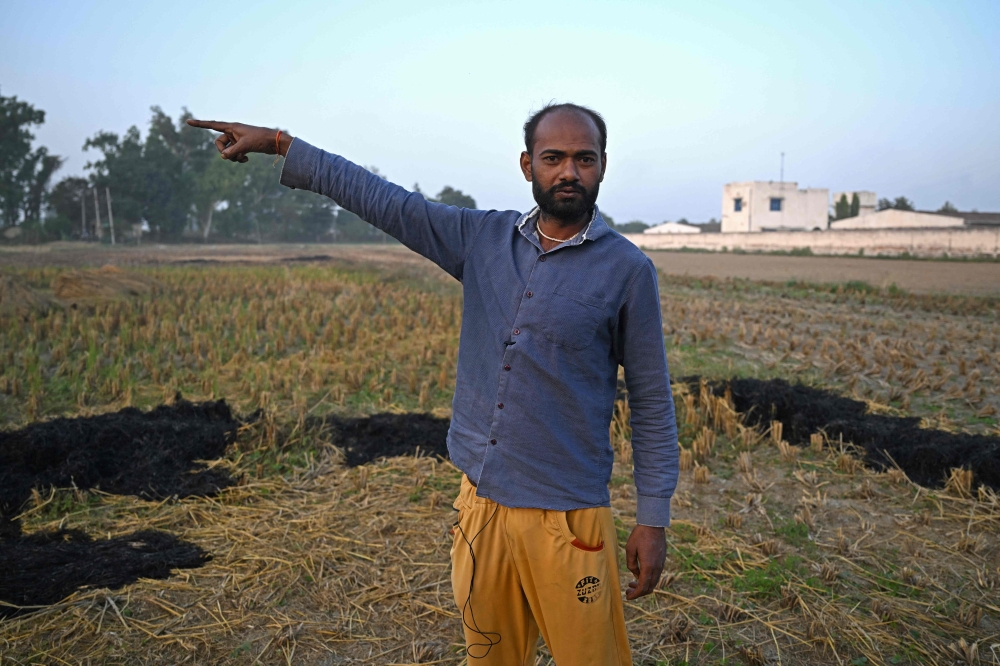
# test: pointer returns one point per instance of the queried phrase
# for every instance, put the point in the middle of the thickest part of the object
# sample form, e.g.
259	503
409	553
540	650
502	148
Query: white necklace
538	228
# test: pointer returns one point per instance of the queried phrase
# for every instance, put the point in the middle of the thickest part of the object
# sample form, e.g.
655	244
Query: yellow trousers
518	572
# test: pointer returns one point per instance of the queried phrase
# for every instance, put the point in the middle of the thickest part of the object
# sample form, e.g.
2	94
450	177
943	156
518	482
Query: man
555	301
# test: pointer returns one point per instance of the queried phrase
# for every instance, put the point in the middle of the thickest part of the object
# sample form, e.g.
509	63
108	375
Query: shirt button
500	406
529	294
541	258
517	331
493	442
506	367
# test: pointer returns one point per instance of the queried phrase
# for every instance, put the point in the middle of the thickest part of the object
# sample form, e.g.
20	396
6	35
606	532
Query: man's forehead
567	126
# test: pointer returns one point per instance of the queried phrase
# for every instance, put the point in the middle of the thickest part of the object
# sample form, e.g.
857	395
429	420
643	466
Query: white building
890	218
673	228
767	205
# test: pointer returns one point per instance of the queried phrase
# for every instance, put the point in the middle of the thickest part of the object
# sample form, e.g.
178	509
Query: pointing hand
238	139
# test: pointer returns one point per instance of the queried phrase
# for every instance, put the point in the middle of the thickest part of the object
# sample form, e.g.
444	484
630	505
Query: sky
902	98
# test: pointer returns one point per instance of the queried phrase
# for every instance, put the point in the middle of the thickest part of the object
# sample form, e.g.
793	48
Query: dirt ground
78	254
922	277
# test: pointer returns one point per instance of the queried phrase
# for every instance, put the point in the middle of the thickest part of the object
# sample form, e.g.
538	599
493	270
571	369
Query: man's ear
526	165
604	165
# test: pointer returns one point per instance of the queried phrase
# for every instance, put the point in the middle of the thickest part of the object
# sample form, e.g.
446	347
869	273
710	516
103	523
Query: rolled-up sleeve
443	234
654	427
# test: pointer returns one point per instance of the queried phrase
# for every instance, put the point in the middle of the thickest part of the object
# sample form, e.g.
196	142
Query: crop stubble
797	558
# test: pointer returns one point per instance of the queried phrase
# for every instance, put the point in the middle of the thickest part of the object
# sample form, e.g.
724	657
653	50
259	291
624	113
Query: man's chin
565	213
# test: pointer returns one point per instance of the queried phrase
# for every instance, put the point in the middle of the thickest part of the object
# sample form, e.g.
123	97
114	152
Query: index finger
209	124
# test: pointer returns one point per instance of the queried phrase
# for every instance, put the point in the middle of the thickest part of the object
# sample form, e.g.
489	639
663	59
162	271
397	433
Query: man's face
566	166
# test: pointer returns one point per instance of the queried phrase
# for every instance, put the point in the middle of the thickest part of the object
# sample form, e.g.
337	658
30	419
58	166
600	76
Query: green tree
452	197
633	227
65	201
855	205
156	179
902	203
899	203
25	173
842	209
947	207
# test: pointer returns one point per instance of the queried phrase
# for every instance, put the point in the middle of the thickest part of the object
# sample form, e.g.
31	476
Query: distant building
674	228
890	218
767	205
867	200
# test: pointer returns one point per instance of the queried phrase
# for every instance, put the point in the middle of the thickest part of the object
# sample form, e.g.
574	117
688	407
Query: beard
566	210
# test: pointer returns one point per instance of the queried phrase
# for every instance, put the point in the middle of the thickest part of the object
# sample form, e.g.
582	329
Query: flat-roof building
767	205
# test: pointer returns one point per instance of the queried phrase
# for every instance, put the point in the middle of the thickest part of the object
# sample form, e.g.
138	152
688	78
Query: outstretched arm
443	234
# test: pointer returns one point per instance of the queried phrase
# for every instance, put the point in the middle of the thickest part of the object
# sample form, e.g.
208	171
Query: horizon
899	99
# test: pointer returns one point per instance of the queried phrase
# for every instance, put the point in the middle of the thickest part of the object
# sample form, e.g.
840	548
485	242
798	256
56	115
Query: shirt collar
597	227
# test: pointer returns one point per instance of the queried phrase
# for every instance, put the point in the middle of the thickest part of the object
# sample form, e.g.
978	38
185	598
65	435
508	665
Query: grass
316	562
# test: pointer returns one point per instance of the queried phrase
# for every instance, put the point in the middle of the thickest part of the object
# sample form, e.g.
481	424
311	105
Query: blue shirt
543	334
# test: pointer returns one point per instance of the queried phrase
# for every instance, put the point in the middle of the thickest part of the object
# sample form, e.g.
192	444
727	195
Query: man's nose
568	173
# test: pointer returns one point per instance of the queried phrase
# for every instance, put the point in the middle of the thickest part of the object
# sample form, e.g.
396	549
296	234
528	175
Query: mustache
565	187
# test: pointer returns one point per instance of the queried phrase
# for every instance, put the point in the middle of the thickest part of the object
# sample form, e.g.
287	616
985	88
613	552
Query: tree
156	179
902	203
65	201
855	205
947	207
842	209
453	197
899	203
25	174
633	227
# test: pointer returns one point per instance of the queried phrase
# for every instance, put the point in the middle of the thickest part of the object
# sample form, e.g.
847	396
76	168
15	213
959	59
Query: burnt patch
926	455
46	567
385	435
148	454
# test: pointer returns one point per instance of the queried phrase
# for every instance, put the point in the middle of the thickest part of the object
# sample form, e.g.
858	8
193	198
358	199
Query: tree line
169	185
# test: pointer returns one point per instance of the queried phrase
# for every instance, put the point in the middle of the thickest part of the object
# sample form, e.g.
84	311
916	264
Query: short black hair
532	124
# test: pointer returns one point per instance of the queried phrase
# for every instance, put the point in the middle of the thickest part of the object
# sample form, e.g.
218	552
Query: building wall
868	200
953	242
898	219
672	228
800	209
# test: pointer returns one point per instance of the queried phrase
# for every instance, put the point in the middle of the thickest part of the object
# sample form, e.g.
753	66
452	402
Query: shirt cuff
652	511
300	165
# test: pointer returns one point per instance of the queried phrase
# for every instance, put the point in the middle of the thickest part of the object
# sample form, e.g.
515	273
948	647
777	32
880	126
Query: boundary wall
962	242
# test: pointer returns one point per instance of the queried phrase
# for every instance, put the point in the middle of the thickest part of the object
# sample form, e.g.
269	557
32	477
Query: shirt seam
628	294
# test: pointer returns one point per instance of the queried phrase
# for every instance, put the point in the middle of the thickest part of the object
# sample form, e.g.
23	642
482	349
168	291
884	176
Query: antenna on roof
782	177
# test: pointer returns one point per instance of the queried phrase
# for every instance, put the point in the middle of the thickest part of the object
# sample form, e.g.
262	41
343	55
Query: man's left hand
645	553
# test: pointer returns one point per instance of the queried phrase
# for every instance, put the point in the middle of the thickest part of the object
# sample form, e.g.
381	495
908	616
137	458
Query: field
784	549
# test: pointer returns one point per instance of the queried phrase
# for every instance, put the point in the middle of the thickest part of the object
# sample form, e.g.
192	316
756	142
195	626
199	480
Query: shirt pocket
572	319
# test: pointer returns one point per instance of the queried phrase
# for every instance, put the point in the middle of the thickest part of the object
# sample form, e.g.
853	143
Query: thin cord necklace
538	228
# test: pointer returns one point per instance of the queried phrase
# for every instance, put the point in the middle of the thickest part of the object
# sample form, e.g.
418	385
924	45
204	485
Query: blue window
775	204
737	204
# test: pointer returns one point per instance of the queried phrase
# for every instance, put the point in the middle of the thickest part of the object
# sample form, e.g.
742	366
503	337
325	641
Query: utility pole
111	220
83	214
782	167
97	214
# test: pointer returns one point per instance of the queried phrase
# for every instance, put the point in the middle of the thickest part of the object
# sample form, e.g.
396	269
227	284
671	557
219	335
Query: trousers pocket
585	534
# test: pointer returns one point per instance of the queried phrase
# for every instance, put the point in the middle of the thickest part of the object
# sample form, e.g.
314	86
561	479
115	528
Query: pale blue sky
895	97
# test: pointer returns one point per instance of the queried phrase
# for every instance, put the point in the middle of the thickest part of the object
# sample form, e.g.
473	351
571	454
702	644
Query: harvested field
364	440
46	567
19	299
919	277
778	553
151	454
926	455
103	283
